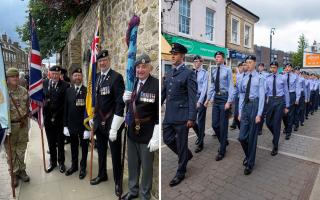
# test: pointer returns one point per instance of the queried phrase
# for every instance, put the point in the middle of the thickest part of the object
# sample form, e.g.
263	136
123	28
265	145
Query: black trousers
200	124
75	140
55	137
300	111
115	147
288	119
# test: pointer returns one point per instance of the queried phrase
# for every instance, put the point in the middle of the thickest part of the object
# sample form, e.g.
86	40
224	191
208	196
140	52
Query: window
184	16
209	24
235	32
247	35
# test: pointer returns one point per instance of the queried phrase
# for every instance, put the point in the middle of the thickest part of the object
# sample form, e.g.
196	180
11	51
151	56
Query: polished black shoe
288	136
82	174
71	170
311	113
302	124
219	157
295	128
307	117
62	168
247	170
129	196
274	151
245	162
199	149
176	181
233	127
227	143
197	142
98	180
117	190
51	167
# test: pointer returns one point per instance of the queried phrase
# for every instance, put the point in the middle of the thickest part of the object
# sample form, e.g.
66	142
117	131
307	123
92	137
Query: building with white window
197	24
240	32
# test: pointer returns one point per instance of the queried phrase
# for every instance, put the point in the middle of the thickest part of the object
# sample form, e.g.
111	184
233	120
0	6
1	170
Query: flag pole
11	166
43	154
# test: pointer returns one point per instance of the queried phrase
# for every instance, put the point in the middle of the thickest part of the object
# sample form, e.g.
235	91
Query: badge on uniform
80	102
105	90
147	97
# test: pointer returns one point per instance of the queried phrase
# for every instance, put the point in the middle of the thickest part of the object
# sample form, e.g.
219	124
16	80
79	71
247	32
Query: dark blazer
54	102
179	89
74	109
147	106
108	92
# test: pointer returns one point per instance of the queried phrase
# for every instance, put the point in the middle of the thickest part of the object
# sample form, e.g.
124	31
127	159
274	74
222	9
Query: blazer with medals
108	100
180	92
74	109
145	110
54	101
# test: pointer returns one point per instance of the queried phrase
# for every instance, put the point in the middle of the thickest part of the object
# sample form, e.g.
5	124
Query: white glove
116	123
91	123
8	131
86	135
126	96
154	142
66	131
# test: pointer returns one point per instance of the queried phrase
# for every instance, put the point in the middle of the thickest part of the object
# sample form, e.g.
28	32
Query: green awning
195	47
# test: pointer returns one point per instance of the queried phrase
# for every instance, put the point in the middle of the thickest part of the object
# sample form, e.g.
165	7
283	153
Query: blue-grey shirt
307	82
293	84
281	87
257	90
302	85
202	80
225	82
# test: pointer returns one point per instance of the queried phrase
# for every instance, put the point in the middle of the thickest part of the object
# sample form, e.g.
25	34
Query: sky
290	18
13	14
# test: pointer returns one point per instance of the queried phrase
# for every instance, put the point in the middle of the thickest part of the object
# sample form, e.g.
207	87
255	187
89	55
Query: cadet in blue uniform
74	108
221	94
264	73
278	103
308	88
300	109
294	93
251	103
202	81
179	89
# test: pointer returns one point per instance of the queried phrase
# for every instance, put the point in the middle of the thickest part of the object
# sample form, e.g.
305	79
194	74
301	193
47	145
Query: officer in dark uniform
179	89
54	91
278	103
74	129
108	119
143	131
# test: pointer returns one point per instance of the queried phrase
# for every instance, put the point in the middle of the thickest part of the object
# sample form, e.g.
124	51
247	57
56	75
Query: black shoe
129	196
199	149
295	128
176	180
302	124
307	117
98	180
274	151
197	142
227	143
117	190
288	136
247	170
82	174
62	168
284	131
219	157
245	162
233	127
190	156
311	113
259	132
51	167
71	170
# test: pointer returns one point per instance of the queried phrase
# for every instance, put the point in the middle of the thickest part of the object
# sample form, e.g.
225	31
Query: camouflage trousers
19	139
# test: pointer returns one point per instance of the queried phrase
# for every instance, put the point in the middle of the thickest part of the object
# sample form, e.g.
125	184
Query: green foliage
297	57
53	25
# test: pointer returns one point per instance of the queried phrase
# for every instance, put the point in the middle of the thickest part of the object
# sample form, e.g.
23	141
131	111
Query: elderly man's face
55	76
77	78
104	64
143	71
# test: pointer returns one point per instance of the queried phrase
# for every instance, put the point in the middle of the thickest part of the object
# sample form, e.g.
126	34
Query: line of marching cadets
257	95
64	116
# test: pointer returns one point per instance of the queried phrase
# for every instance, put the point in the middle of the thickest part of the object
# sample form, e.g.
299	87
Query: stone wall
115	15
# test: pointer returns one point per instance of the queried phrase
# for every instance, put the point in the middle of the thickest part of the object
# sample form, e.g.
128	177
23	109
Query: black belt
292	92
252	100
221	93
276	97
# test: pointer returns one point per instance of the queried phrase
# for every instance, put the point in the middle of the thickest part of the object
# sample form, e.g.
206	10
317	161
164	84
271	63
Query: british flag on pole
35	70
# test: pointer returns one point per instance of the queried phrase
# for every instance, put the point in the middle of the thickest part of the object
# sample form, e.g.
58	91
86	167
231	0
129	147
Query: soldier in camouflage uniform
19	125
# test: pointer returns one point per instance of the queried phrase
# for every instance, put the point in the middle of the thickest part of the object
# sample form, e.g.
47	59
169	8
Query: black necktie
288	81
246	98
217	81
274	92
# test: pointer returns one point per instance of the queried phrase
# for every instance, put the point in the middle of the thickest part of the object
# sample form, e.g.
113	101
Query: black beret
289	64
219	53
102	54
55	68
251	57
297	68
262	64
197	57
178	48
77	70
274	63
144	58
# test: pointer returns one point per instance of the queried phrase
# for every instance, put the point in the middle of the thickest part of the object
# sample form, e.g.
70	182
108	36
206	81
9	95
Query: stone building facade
115	16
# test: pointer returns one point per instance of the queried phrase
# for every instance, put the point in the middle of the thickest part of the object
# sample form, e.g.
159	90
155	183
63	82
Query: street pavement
292	174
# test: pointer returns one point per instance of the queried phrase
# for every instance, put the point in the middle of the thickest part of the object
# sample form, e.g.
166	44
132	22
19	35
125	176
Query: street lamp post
271	33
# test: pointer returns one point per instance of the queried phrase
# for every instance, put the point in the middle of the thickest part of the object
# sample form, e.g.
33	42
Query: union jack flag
35	70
